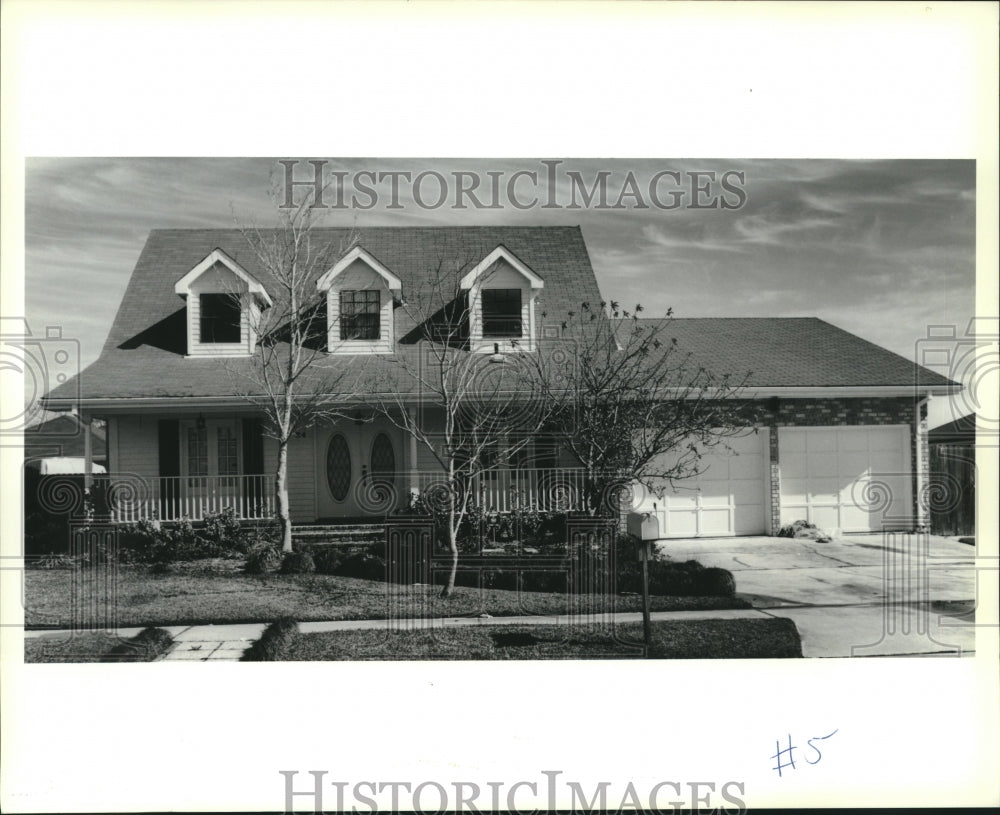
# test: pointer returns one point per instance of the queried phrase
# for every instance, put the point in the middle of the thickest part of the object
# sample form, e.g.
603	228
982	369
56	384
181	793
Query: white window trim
254	286
252	300
501	253
473	283
392	282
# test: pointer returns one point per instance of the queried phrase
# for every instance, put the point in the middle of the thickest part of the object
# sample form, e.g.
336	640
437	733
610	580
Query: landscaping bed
693	639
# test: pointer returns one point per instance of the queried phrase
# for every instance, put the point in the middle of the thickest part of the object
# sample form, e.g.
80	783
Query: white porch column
412	454
88	452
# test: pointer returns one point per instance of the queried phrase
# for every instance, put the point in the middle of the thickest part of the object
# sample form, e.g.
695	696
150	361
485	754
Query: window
226	450
220	318
359	315
501	313
197	454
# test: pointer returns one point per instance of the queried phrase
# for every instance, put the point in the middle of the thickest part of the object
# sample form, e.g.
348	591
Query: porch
129	498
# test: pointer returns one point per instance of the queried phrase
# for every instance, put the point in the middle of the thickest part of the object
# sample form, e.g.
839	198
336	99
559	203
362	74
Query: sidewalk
871	629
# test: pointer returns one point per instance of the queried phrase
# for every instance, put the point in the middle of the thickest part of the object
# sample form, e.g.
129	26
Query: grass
146	646
194	596
694	639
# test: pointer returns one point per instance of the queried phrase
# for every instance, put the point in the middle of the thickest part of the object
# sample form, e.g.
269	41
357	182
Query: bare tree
290	376
472	412
632	406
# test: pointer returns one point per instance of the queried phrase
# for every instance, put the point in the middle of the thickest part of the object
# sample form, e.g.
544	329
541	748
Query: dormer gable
224	303
360	296
502	290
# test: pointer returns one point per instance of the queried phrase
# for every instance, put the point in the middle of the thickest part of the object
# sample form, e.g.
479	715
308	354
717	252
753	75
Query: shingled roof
794	352
144	354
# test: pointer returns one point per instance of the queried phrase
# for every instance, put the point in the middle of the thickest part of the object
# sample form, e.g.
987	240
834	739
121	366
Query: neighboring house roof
61	436
794	352
962	429
144	355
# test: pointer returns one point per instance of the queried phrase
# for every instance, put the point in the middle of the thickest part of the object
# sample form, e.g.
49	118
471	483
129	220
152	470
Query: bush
327	560
143	647
46	533
262	558
716	582
804	529
53	561
274	643
297	563
365	565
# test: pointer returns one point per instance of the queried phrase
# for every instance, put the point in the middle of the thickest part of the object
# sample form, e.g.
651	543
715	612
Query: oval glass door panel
383	457
338	467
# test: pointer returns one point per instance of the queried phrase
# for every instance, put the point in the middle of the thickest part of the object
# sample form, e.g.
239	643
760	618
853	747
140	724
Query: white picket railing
548	489
171	498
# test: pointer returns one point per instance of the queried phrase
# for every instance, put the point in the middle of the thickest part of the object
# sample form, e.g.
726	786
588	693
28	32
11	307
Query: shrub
716	582
54	561
143	647
297	563
262	558
327	560
46	533
804	529
223	531
274	643
365	565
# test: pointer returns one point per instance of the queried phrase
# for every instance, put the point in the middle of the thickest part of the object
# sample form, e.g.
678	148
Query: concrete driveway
889	594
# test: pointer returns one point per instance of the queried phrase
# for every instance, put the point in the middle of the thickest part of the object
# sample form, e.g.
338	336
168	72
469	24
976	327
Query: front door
359	471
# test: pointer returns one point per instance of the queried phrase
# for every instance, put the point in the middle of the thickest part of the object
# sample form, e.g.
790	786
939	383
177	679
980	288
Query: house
62	436
838	410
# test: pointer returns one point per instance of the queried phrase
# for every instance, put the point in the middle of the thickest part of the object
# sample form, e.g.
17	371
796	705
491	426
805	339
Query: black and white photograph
313	442
471	430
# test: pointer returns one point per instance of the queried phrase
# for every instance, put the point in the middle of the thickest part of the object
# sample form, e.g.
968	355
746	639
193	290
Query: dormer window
224	307
502	292
219	319
501	314
360	295
359	314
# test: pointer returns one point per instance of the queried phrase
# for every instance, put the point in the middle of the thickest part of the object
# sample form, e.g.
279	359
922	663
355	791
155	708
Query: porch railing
129	498
549	489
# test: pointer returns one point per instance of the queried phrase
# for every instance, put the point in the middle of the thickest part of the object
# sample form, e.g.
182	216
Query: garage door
728	498
852	479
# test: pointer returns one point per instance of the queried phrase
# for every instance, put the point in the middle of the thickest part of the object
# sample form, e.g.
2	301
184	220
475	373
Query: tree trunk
281	497
453	548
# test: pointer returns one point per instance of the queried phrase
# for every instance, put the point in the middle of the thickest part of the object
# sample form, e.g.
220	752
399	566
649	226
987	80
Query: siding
302	477
358	276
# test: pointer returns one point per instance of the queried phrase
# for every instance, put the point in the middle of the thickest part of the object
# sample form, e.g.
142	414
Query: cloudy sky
880	248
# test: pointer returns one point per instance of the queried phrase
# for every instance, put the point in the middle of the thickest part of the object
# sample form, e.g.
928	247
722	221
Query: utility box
644	526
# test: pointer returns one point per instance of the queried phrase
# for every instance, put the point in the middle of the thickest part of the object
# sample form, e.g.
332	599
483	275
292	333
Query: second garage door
852	479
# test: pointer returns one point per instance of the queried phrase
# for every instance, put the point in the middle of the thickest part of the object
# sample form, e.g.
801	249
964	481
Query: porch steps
338	534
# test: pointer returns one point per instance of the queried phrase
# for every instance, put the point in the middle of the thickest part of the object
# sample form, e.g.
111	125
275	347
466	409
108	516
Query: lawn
201	594
694	639
146	646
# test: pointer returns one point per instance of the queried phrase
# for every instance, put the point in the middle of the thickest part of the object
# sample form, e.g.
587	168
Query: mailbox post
644	526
